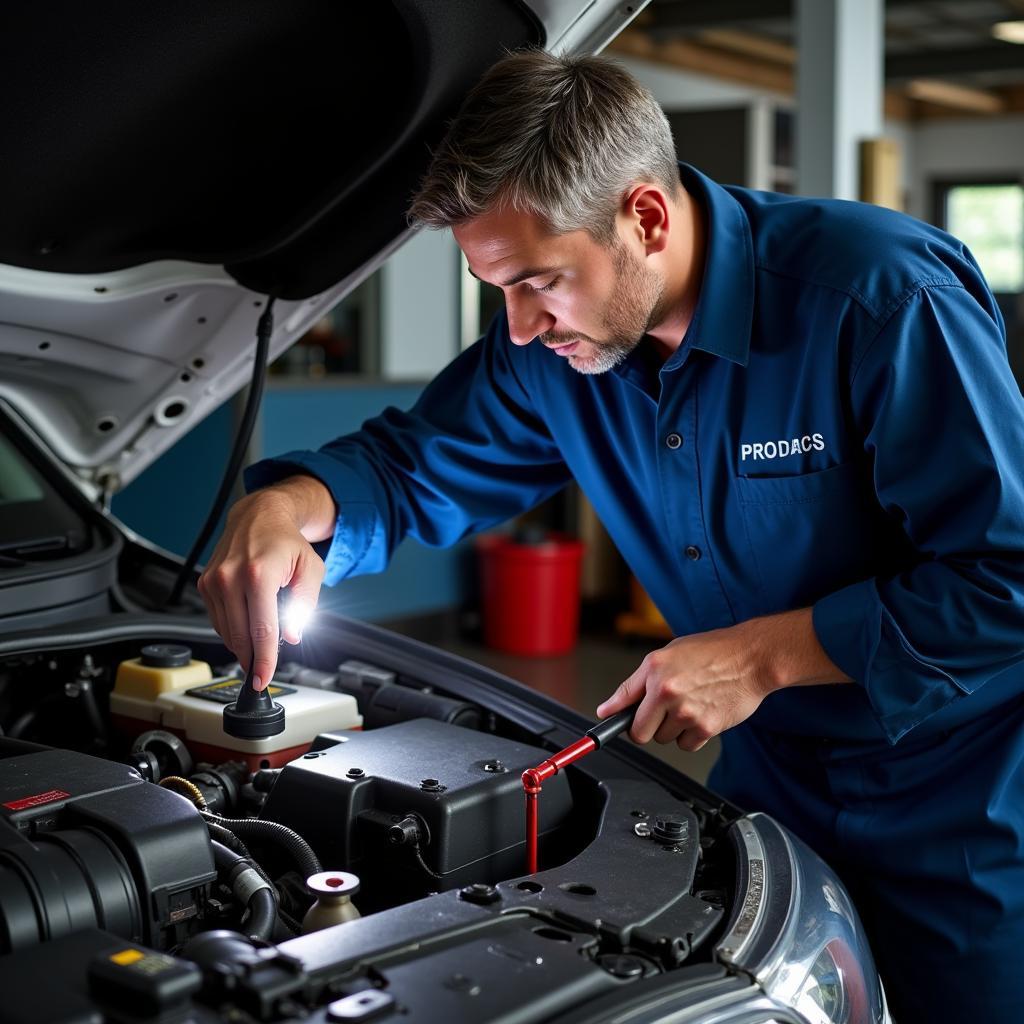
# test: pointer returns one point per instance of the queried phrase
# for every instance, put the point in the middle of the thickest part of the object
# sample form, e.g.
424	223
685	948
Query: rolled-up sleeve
471	453
942	422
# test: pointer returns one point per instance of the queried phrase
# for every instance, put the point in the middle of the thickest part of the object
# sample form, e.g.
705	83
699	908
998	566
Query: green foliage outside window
989	219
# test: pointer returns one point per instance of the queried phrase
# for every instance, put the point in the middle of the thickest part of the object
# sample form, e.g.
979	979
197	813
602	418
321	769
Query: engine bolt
355	773
671	830
495	766
479	892
431	786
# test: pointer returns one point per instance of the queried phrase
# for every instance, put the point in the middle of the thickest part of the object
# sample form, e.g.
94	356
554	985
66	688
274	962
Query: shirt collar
725	308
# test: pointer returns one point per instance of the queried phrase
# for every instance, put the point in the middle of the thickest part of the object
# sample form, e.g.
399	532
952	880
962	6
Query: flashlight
296	614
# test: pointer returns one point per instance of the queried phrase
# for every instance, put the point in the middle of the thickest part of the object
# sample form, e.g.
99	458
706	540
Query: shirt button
692	553
674	441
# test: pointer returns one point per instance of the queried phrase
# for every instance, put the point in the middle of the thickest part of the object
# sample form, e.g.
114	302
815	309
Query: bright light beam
296	615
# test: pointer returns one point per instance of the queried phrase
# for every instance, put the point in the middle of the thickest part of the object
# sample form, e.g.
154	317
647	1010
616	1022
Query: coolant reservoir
166	688
161	668
333	891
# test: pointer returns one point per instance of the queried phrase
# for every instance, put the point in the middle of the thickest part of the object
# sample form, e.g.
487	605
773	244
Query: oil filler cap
254	716
166	655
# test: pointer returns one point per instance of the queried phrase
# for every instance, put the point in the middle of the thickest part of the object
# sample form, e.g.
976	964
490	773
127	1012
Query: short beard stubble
636	305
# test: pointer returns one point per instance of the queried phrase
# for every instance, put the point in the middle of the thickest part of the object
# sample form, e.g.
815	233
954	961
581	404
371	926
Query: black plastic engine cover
466	786
86	842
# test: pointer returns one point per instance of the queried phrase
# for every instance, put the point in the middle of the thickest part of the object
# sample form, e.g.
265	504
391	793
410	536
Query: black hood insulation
282	140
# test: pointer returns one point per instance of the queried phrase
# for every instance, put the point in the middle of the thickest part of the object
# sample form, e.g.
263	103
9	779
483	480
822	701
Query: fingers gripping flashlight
254	715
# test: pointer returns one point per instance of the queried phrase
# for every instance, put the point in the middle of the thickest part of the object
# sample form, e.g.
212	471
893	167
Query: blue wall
169	502
419	579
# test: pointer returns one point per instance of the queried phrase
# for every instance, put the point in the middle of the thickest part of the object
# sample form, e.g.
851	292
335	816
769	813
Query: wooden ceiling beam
748	59
897	105
704	60
1013	96
750	45
956	97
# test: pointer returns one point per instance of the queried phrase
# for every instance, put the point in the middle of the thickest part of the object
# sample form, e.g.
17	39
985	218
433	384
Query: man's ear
647	212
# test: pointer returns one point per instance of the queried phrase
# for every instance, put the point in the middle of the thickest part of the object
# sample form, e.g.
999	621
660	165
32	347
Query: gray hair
560	137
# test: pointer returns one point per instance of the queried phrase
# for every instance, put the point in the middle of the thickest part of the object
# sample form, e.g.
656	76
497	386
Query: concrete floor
580	679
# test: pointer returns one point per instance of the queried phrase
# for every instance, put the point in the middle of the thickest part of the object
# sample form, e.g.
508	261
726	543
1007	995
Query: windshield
35	520
18	482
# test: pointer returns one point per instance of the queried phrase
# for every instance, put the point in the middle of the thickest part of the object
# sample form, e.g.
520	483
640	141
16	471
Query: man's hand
266	547
698	686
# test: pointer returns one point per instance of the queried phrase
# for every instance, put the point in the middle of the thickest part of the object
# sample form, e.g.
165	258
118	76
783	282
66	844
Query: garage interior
913	104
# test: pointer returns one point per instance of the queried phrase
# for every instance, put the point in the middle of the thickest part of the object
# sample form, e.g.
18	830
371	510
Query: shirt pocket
805	488
809	534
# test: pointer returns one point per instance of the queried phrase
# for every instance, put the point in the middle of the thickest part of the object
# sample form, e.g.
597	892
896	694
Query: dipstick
533	778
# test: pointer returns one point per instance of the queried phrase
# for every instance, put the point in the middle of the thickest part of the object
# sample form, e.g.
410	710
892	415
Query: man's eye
551	284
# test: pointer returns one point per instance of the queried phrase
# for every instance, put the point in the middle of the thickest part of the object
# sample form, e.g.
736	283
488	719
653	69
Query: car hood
168	168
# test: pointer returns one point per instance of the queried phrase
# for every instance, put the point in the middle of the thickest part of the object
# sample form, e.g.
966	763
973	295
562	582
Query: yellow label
229	683
128	956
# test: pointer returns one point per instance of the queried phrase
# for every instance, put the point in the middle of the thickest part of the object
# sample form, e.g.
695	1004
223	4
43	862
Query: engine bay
371	860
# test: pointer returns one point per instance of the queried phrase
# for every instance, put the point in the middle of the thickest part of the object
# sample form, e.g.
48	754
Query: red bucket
530	594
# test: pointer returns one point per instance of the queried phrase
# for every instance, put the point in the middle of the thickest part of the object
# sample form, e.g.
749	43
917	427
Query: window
989	219
345	341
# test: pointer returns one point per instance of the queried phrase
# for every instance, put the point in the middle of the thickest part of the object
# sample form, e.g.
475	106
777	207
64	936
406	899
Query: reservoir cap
166	655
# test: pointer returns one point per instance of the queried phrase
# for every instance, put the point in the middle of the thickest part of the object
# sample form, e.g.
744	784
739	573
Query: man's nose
526	320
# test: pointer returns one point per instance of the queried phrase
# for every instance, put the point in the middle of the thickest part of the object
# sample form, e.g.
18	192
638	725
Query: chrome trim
799	910
735	942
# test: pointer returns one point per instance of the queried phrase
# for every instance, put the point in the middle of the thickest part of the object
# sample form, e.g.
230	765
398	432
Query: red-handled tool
533	778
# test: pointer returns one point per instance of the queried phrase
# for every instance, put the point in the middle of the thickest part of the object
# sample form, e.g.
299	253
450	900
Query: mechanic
797	421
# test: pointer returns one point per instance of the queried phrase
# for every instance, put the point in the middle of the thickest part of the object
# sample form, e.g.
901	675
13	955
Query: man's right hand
265	547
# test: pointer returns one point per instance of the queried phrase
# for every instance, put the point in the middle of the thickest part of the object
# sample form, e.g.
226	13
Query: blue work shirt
839	429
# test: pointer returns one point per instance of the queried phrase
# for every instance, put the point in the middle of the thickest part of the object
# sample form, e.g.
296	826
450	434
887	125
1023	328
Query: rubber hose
227	838
219	834
261	910
223	858
92	710
258	829
264	333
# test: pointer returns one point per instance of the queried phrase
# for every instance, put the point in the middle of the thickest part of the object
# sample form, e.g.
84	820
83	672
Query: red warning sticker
36	801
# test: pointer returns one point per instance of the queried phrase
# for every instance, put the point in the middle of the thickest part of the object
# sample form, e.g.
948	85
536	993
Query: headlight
796	932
